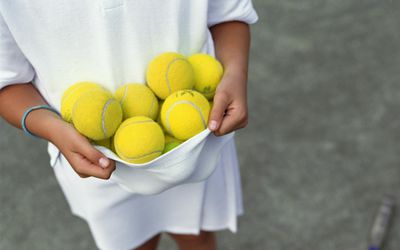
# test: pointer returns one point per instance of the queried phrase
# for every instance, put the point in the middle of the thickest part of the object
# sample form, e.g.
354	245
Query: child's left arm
232	44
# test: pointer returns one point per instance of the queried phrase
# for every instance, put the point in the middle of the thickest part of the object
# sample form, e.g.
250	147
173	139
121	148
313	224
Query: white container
192	161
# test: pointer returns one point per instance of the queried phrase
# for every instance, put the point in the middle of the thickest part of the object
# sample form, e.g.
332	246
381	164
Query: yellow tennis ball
72	94
207	73
211	104
112	146
105	143
169	139
137	100
170	145
97	114
160	103
185	114
169	72
138	140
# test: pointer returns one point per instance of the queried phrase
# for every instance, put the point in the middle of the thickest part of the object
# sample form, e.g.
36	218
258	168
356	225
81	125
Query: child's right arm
83	157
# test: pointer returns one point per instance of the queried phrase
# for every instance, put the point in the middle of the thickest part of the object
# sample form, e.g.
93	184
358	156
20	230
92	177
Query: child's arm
82	156
232	44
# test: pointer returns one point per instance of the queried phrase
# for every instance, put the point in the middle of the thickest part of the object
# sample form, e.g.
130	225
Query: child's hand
229	111
84	158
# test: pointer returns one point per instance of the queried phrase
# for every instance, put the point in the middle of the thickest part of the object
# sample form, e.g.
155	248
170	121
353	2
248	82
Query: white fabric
14	68
56	43
193	161
121	220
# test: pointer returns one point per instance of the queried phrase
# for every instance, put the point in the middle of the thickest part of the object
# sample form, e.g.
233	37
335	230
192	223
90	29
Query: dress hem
174	230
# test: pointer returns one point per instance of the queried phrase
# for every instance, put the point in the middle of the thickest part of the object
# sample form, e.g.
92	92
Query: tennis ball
169	139
169	72
137	100
105	143
112	146
96	114
207	73
72	94
185	114
138	140
160	103
211	104
170	145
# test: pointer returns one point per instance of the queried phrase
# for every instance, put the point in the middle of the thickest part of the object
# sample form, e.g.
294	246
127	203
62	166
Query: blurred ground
321	149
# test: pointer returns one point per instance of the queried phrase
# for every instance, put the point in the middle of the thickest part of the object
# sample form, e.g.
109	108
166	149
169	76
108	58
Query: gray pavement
321	150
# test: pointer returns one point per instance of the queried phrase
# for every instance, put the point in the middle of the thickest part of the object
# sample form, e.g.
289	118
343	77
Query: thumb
217	113
93	155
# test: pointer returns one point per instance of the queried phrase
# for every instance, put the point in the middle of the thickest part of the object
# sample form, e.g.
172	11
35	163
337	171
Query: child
48	45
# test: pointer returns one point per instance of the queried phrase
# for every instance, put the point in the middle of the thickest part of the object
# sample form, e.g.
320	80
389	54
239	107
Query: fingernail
104	162
213	125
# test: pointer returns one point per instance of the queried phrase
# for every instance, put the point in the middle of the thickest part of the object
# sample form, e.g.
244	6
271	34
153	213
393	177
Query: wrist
43	123
237	74
56	129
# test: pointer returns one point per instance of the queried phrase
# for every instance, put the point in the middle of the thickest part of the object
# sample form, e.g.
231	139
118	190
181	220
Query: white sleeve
14	67
231	10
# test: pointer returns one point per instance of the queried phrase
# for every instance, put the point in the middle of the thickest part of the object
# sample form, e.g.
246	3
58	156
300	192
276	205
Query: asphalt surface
320	151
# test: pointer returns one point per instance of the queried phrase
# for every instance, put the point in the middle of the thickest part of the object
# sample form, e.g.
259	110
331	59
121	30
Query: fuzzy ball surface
185	114
72	94
137	100
208	72
169	72
97	114
139	140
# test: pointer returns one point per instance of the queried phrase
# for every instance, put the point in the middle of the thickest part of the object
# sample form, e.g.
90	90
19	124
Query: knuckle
244	123
106	175
219	133
243	116
79	170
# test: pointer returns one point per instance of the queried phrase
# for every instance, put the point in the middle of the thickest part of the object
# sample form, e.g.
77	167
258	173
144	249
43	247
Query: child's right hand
84	158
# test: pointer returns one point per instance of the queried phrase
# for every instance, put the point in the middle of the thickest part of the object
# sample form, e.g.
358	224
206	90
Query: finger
234	119
92	154
85	168
221	103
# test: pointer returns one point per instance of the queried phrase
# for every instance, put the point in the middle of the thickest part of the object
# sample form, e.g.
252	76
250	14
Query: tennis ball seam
167	71
183	102
103	114
137	157
66	98
77	88
142	156
125	94
135	122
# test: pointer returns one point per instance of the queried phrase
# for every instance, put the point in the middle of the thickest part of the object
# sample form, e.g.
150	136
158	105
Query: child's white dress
55	43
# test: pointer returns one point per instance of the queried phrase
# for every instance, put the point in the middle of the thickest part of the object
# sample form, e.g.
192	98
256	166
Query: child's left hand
229	112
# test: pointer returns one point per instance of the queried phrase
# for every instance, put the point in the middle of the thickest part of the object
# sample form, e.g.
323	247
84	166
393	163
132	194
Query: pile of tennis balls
139	122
